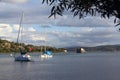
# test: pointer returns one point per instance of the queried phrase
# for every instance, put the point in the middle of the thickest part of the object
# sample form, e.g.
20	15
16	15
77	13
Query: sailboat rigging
23	54
46	53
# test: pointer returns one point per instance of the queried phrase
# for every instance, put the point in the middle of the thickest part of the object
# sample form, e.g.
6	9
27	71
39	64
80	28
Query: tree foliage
7	46
82	8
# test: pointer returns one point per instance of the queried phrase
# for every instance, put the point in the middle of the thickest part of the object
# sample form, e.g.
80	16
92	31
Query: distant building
65	50
80	50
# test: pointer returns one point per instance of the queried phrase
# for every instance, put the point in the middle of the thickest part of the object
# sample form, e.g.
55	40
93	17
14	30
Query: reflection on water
97	66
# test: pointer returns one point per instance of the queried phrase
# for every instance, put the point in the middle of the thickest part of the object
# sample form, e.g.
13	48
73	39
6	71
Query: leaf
59	13
92	12
117	25
51	15
115	20
51	2
53	8
58	9
76	13
73	9
43	1
47	1
63	2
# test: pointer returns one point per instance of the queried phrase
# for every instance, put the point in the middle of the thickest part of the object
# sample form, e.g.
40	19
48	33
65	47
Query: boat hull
46	56
23	58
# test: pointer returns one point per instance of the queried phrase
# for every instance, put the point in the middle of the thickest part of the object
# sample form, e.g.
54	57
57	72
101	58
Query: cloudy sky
65	31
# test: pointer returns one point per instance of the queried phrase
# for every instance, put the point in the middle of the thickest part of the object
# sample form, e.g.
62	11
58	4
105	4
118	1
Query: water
89	66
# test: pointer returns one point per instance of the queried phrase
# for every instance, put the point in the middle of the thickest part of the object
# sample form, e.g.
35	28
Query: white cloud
36	37
7	28
31	29
37	13
7	32
14	1
80	36
16	27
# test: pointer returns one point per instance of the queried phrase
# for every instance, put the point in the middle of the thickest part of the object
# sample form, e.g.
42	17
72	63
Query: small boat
23	57
81	50
46	54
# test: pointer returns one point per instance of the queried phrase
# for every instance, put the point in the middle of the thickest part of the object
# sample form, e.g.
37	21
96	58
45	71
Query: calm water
89	66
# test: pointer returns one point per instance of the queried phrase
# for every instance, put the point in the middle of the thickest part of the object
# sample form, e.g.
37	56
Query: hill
97	48
7	46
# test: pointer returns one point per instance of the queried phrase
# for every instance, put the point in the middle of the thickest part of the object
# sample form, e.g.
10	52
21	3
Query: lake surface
89	66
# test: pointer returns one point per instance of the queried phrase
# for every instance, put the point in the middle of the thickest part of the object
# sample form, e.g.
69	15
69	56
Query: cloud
14	1
5	28
7	32
37	38
37	13
83	37
31	29
16	27
59	37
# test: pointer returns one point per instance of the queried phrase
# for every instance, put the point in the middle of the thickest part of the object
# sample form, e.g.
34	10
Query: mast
45	39
20	27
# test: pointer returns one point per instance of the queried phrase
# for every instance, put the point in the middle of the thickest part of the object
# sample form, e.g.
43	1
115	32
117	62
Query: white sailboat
46	55
23	55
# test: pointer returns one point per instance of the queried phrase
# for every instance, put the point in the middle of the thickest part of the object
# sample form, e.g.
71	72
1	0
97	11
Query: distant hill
97	48
7	46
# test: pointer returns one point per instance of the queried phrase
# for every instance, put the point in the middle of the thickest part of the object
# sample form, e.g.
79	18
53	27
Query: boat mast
20	27
45	38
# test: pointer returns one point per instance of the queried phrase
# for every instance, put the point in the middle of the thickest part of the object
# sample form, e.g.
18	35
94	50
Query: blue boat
47	54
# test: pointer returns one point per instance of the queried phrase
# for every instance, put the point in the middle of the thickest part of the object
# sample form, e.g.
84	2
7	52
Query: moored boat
46	54
23	53
23	58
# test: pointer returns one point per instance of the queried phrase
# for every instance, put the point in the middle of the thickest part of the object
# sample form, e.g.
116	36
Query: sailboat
23	54
46	53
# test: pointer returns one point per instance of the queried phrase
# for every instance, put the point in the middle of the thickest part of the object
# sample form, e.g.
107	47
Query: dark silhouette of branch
82	8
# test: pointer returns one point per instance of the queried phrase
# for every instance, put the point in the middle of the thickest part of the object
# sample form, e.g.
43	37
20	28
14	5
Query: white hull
46	56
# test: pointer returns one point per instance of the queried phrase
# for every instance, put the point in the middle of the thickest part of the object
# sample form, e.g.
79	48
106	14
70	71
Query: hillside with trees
7	46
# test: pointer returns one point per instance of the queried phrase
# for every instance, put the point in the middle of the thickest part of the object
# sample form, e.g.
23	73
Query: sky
64	31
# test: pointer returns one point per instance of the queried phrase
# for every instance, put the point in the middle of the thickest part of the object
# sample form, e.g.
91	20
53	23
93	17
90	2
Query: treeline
7	46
